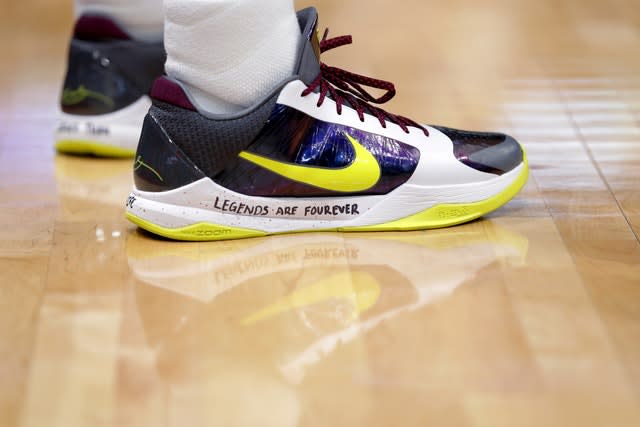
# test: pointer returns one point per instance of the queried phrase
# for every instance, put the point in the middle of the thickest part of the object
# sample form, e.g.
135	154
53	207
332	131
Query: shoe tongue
311	31
309	56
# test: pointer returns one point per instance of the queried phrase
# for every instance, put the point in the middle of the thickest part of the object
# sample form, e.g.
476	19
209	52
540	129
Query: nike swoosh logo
361	289
71	97
361	175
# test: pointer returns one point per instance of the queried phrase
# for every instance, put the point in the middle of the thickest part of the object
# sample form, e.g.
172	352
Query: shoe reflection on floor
295	299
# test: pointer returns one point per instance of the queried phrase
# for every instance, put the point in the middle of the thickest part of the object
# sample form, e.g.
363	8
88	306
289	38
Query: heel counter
160	165
93	84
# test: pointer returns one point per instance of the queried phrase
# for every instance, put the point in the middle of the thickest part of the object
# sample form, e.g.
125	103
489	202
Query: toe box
493	153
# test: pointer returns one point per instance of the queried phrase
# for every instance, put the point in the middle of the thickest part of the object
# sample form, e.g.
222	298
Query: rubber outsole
92	148
440	216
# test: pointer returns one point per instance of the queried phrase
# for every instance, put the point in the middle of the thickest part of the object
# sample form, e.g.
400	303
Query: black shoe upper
107	70
493	153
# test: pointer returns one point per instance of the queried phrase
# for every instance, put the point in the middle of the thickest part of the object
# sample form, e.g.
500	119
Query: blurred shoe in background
106	89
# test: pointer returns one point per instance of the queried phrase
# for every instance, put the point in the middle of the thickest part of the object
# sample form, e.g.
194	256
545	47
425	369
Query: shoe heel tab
166	90
98	27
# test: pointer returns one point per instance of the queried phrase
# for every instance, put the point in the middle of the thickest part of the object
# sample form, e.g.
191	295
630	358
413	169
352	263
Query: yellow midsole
440	216
69	146
448	215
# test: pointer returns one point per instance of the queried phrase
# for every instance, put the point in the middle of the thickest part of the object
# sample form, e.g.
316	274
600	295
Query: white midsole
205	201
118	129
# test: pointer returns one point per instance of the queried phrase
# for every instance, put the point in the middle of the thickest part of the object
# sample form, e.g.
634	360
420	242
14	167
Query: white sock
142	19
231	53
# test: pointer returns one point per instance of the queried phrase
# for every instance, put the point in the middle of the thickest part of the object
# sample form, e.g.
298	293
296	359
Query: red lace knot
346	87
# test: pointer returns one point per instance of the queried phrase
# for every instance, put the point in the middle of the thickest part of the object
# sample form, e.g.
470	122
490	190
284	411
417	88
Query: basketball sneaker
316	154
106	90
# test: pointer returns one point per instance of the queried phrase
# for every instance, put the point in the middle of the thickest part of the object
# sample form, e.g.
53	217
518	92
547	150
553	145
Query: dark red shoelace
344	86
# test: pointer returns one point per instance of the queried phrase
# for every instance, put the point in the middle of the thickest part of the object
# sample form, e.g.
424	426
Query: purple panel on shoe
293	137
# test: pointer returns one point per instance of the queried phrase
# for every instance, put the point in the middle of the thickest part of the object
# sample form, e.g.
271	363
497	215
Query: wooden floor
530	317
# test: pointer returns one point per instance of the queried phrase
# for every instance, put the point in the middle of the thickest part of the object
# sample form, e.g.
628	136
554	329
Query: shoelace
344	86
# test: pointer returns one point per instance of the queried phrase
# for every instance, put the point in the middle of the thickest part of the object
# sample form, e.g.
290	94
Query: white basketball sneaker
314	155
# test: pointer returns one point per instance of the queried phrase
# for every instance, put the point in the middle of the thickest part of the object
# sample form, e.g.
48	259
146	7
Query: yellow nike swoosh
361	175
71	97
359	288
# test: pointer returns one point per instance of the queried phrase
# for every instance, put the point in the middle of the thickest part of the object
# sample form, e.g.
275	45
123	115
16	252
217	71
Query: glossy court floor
529	317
